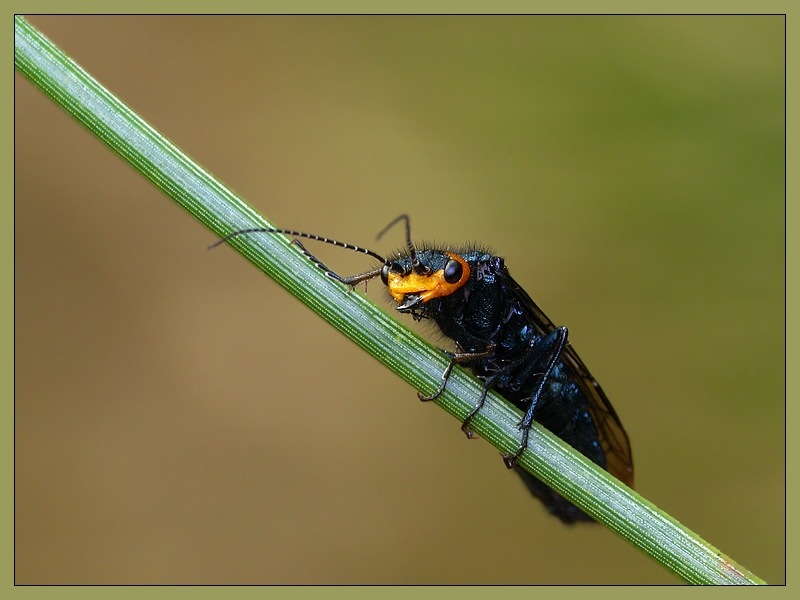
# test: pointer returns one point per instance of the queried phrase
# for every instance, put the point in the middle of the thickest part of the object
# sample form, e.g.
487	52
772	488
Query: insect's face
437	275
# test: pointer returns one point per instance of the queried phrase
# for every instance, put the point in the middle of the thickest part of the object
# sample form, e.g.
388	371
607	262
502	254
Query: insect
506	340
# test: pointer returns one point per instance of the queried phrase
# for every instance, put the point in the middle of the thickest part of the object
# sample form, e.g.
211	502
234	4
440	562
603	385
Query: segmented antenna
355	279
412	252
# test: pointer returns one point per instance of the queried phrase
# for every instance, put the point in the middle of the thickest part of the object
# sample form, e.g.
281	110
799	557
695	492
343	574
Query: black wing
612	437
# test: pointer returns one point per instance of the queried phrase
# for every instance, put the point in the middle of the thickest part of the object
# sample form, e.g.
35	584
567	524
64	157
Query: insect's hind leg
557	339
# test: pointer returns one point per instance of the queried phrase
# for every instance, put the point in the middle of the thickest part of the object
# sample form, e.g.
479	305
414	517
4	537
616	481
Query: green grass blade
613	504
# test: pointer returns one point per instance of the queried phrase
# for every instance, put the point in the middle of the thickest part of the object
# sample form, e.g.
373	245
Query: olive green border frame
787	7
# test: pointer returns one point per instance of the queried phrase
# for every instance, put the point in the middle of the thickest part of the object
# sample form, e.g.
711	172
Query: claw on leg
511	460
465	425
471	435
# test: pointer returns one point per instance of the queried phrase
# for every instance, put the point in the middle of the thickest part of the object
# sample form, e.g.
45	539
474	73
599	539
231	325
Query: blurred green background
181	419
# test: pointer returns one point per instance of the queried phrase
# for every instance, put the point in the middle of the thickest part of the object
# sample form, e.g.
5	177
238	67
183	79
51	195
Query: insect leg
443	384
557	339
455	358
487	385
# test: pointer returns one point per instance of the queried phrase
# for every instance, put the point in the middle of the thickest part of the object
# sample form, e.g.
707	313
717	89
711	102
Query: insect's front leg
456	358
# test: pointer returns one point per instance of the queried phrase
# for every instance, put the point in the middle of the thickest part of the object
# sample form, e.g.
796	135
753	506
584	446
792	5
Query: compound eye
453	271
385	274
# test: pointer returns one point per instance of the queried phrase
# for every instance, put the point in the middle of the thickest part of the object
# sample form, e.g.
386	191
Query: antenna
355	279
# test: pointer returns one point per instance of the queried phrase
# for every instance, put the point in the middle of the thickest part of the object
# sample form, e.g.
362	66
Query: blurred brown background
181	419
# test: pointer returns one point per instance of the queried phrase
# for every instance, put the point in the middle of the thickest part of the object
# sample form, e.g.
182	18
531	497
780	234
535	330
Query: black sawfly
506	340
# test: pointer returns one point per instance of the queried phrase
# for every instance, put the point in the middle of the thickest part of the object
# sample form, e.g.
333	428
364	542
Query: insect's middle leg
487	385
